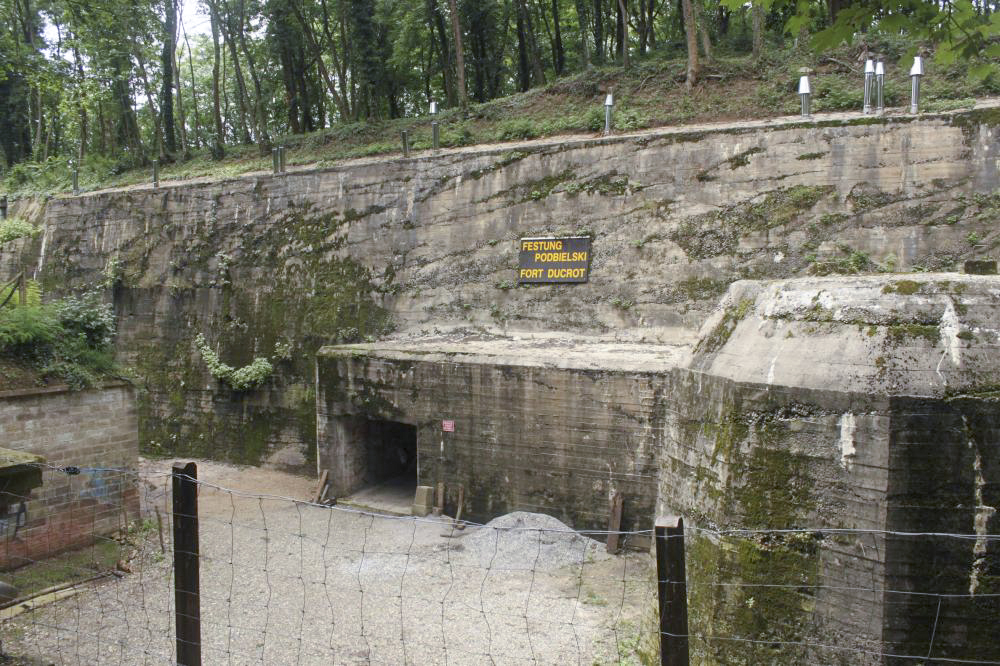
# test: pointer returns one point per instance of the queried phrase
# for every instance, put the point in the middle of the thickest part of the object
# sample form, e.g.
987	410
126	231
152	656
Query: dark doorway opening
390	452
389	464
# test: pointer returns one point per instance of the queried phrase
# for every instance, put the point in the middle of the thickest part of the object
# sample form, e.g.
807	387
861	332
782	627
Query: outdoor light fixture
804	94
869	81
609	102
880	87
434	108
915	73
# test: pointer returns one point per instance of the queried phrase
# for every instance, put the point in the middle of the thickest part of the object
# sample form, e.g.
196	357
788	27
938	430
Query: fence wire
290	582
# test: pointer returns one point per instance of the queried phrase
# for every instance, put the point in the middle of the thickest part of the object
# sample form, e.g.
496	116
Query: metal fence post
274	160
187	600
156	173
281	158
3	208
404	135
672	591
436	135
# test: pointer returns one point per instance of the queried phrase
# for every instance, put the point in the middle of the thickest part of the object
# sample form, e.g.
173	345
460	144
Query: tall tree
691	33
167	78
599	32
622	33
366	67
219	140
582	22
456	29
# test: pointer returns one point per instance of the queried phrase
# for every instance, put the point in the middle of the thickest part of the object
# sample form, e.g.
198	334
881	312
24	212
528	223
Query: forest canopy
126	82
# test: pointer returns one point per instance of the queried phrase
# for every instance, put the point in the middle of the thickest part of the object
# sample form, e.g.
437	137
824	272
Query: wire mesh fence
289	582
283	581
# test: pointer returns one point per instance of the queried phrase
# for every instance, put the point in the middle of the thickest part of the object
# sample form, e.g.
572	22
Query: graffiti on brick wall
13	518
97	488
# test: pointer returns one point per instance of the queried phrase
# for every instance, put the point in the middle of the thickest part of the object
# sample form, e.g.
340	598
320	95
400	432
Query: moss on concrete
719	336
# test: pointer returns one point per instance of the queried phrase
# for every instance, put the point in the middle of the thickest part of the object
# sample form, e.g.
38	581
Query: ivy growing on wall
239	379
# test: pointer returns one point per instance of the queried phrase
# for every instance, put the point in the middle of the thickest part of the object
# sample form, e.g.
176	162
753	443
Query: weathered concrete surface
858	404
427	245
551	428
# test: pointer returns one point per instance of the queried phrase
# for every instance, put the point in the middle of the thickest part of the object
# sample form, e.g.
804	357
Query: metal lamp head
879	68
609	100
434	108
918	66
804	95
869	66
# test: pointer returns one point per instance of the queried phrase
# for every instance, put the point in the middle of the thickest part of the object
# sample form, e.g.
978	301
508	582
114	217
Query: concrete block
423	500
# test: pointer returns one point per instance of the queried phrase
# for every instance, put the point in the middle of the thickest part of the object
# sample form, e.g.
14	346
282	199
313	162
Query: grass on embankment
649	94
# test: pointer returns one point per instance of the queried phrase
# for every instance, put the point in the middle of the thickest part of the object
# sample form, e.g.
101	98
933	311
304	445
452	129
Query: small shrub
14	227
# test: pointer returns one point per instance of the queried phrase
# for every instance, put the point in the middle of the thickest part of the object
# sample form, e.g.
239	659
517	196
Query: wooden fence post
672	591
187	600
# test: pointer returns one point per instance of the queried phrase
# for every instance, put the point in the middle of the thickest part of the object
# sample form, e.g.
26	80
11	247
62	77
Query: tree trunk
702	23
523	68
641	15
81	109
181	116
456	30
194	94
691	32
159	148
581	17
534	57
260	113
219	142
559	60
444	54
338	97
599	32
623	32
167	84
241	92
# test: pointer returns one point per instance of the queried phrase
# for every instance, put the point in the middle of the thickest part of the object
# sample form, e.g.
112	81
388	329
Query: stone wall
95	430
405	246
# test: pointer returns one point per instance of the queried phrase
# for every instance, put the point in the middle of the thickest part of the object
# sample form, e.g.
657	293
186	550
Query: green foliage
68	340
239	379
32	292
28	330
14	227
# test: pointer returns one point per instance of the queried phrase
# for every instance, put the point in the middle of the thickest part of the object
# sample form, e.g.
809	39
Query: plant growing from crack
239	379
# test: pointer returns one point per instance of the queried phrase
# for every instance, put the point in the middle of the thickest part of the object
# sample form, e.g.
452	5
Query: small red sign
448	426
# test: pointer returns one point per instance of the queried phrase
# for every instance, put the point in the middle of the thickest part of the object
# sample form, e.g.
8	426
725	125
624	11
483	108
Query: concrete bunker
820	409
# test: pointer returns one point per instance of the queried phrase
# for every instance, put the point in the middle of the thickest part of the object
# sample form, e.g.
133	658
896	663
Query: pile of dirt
525	541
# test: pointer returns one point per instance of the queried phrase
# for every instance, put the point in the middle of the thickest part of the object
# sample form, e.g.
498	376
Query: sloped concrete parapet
847	429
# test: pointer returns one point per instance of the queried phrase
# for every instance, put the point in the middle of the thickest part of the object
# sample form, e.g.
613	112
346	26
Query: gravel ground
289	583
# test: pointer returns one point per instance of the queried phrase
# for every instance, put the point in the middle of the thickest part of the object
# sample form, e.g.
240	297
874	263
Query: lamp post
435	128
869	84
609	103
804	94
916	71
880	88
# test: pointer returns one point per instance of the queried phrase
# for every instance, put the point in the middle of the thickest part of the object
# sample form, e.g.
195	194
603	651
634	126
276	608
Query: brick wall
95	430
